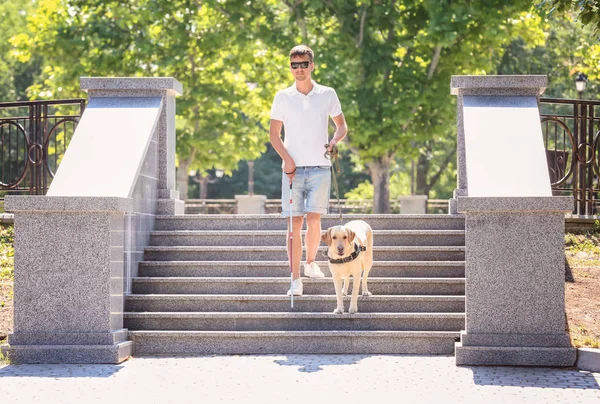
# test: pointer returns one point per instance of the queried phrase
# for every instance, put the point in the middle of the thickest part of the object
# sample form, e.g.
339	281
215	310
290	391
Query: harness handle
333	156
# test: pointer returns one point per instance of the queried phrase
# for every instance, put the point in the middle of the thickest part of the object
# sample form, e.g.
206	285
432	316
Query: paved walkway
309	379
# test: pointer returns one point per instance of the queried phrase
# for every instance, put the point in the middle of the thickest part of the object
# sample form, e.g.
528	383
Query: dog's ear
351	235
326	237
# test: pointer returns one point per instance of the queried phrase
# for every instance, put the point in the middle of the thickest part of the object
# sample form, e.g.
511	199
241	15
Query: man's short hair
302	50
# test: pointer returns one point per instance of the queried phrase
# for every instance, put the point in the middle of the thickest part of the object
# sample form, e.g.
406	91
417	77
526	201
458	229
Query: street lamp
580	83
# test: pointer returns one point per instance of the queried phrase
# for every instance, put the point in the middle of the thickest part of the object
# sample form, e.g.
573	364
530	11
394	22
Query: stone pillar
78	247
514	227
167	88
515	276
68	280
413	204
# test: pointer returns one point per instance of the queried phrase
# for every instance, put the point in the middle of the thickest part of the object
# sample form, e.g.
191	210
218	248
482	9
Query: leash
333	156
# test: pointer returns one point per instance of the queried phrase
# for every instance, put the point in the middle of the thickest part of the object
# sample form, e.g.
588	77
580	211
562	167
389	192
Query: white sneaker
312	270
296	288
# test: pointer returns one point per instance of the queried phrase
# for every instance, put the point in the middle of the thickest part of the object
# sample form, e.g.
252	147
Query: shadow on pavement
54	371
557	378
314	363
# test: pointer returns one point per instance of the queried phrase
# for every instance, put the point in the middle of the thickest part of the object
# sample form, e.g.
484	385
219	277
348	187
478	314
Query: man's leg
313	236
297	244
317	202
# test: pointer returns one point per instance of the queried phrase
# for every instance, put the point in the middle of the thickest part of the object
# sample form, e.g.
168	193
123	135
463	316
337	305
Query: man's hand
289	168
332	143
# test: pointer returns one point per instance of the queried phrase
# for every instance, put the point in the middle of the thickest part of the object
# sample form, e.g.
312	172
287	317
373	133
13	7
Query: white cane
291	253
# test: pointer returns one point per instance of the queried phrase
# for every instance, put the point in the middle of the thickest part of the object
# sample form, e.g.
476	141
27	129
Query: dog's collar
351	257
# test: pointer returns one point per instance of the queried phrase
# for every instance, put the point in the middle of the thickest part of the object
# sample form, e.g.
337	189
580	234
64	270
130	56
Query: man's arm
340	132
289	167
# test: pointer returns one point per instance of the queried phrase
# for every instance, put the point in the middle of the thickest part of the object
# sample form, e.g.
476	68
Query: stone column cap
41	203
169	84
458	83
515	204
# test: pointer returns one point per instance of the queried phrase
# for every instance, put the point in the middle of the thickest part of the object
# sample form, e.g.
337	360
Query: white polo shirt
305	119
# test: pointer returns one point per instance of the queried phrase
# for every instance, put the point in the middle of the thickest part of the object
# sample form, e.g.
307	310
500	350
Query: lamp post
580	82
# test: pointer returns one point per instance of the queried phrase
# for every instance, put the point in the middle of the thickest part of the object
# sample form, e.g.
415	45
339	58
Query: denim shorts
310	191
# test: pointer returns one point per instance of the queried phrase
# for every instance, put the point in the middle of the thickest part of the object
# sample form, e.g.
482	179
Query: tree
227	73
16	74
568	49
588	11
391	63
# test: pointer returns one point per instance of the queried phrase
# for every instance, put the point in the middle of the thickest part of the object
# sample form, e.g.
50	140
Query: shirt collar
292	90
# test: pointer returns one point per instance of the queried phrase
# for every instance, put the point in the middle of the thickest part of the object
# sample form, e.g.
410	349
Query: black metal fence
34	136
571	131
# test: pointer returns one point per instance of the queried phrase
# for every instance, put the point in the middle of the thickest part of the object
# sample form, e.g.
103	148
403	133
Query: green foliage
588	243
393	69
364	190
227	74
4	360
567	49
588	11
16	74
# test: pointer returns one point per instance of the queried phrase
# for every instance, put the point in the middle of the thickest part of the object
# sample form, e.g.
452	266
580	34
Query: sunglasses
296	65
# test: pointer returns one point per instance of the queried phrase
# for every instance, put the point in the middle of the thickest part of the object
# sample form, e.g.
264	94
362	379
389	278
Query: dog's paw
367	293
353	310
338	311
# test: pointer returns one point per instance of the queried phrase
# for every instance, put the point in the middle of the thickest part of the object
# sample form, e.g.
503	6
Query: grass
583	286
7	253
7	274
4	360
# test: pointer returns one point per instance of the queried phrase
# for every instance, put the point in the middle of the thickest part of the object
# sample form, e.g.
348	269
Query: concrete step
277	222
295	321
268	286
279	253
278	238
292	342
279	303
397	269
110	354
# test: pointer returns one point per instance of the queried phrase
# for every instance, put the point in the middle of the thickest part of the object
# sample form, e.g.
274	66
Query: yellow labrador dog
350	252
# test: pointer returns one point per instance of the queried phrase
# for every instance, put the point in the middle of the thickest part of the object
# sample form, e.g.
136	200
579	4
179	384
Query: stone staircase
216	284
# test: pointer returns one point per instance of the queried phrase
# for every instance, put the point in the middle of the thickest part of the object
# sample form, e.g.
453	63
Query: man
304	110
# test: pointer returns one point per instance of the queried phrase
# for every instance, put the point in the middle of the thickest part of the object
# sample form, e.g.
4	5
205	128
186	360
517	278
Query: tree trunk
425	184
422	169
203	183
182	179
380	177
